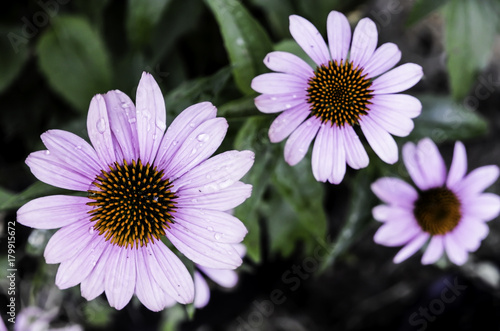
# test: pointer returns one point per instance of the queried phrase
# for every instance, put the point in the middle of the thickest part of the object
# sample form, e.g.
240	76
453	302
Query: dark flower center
437	210
339	93
133	204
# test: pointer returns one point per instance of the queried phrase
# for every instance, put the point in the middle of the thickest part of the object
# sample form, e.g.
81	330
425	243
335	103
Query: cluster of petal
286	90
427	170
205	186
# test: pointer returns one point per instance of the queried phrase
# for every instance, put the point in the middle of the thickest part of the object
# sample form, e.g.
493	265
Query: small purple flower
143	186
450	209
350	86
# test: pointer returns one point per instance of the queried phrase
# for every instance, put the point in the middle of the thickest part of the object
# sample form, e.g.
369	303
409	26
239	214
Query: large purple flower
449	209
143	185
350	86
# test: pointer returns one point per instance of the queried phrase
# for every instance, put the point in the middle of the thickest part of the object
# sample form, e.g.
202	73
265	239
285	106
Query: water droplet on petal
210	228
273	98
125	104
78	147
101	125
294	96
161	124
132	120
203	137
288	106
192	124
91	230
174	142
217	236
47	152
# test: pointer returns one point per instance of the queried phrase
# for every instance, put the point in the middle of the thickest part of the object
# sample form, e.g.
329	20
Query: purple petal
93	285
223	200
364	42
53	212
397	233
309	38
477	181
485	206
99	130
204	252
455	252
182	126
384	58
122	119
434	250
287	122
69	241
297	145
469	233
273	103
411	248
403	104
223	277
339	156
395	123
339	35
395	191
380	140
151	117
413	165
216	173
289	64
458	167
356	155
202	291
398	79
198	146
51	170
323	153
120	279
431	163
278	83
392	213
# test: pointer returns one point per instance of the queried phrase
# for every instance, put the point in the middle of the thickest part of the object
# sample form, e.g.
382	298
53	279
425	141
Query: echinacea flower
449	209
350	87
144	187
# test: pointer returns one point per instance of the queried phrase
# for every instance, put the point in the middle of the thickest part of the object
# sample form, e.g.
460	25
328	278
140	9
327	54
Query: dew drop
210	228
193	151
125	104
273	98
174	142
161	125
101	125
132	120
78	147
47	152
217	237
294	96
288	106
91	230
194	200
155	198
203	137
240	41
192	124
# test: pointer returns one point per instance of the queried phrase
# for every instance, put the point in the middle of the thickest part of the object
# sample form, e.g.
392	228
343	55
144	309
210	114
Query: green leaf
142	16
5	195
172	318
246	42
443	119
75	61
470	30
13	56
277	13
38	189
422	8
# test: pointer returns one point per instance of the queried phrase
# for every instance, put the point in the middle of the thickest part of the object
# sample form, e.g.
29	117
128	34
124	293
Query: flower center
437	210
133	204
339	93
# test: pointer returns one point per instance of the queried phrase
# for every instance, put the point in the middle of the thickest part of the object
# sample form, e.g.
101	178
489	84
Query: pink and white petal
273	103
122	120
411	248
392	213
395	191
356	155
93	285
309	38
469	233
397	233
223	200
51	170
323	153
412	163
364	42
384	58
456	253
458	167
485	206
297	145
396	124
147	289
212	225
198	146
339	156
477	181
182	126
202	291
434	250
287	122
279	83
54	211
380	140
99	130
223	277
74	151
217	173
121	276
339	35
204	252
403	104
69	241
288	63
151	117
241	249
398	79
73	271
170	273
431	163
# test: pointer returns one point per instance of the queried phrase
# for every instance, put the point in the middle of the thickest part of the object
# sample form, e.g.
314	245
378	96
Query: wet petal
398	79
339	35
120	276
364	42
288	63
309	38
297	145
